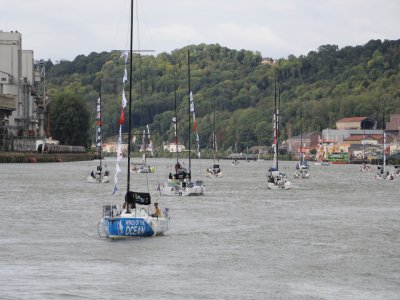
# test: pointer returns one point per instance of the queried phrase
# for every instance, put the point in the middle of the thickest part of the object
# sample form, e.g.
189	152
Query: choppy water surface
334	236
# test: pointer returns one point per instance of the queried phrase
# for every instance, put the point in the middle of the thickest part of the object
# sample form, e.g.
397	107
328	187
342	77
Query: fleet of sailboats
134	218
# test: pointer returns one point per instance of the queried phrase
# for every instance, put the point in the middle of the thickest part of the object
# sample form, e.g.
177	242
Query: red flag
194	125
98	123
122	118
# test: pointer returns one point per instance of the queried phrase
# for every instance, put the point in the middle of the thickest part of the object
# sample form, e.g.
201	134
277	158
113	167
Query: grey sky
63	29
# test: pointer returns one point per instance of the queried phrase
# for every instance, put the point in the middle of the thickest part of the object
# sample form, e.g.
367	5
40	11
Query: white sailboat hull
278	181
302	174
217	175
279	186
98	179
143	169
137	223
175	188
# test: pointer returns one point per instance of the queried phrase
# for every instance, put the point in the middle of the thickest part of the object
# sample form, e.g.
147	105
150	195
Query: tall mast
99	133
176	122
275	124
144	144
364	146
384	141
277	128
189	91
301	132
214	136
130	101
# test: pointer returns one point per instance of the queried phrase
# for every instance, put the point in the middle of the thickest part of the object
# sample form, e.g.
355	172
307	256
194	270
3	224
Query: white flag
119	152
123	99
125	55
125	79
191	102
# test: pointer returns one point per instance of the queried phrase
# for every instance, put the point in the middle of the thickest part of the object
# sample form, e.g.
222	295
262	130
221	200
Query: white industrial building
21	107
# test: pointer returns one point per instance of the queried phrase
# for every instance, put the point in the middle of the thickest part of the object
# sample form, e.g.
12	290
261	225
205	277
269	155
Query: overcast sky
63	29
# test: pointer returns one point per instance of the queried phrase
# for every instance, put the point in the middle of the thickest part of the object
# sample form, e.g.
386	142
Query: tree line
326	85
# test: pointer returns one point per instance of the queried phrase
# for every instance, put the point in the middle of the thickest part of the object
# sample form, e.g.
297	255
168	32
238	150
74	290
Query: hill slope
331	83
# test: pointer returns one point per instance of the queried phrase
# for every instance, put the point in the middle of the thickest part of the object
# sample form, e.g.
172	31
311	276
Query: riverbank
31	157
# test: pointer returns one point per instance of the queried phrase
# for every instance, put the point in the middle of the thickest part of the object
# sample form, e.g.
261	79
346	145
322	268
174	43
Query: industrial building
22	108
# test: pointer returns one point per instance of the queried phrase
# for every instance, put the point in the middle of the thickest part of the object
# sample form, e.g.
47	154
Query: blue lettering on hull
127	227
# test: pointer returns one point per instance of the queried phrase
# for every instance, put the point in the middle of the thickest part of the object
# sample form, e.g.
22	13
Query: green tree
70	119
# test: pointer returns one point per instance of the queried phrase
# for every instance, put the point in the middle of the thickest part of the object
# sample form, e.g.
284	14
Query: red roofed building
368	139
355	123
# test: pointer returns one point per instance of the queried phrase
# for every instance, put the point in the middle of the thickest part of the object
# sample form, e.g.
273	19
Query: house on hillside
172	147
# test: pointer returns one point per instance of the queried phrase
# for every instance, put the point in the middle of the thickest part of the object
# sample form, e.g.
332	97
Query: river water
333	236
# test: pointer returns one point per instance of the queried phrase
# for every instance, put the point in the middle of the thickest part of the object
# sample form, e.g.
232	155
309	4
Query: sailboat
143	167
180	183
235	161
383	173
276	179
99	175
215	169
364	167
302	167
134	219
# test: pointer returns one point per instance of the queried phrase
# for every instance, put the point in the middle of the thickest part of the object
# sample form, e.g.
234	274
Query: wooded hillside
329	83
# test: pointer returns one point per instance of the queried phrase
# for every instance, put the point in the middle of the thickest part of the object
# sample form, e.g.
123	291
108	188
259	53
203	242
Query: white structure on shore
172	147
21	108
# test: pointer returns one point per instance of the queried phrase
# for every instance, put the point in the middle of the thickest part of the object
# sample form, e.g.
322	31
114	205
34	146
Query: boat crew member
179	169
157	213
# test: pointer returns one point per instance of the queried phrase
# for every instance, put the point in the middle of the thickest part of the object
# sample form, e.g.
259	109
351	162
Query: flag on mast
194	123
120	153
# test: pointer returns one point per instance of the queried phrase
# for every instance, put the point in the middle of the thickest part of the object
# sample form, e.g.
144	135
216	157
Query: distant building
172	147
355	123
309	140
394	123
369	144
338	135
21	108
370	139
268	61
259	150
364	151
110	144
